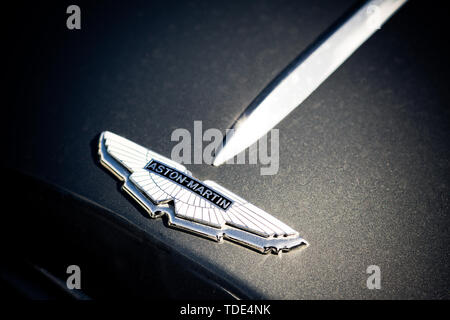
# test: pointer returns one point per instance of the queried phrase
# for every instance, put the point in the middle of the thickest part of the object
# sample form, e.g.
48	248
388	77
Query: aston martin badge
164	187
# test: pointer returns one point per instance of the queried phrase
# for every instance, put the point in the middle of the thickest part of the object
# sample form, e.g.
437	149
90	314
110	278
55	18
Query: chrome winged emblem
164	187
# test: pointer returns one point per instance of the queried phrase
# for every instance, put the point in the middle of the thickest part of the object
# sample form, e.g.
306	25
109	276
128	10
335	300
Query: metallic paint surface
364	164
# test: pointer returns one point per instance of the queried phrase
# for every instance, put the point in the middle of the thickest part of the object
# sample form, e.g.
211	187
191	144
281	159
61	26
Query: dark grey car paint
364	162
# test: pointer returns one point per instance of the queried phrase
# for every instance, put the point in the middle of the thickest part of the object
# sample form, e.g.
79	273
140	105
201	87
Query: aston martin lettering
190	183
164	187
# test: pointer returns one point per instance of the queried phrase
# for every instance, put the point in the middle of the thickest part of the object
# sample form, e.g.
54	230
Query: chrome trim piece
303	76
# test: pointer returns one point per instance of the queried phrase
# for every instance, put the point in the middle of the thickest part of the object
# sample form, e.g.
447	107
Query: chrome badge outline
164	187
